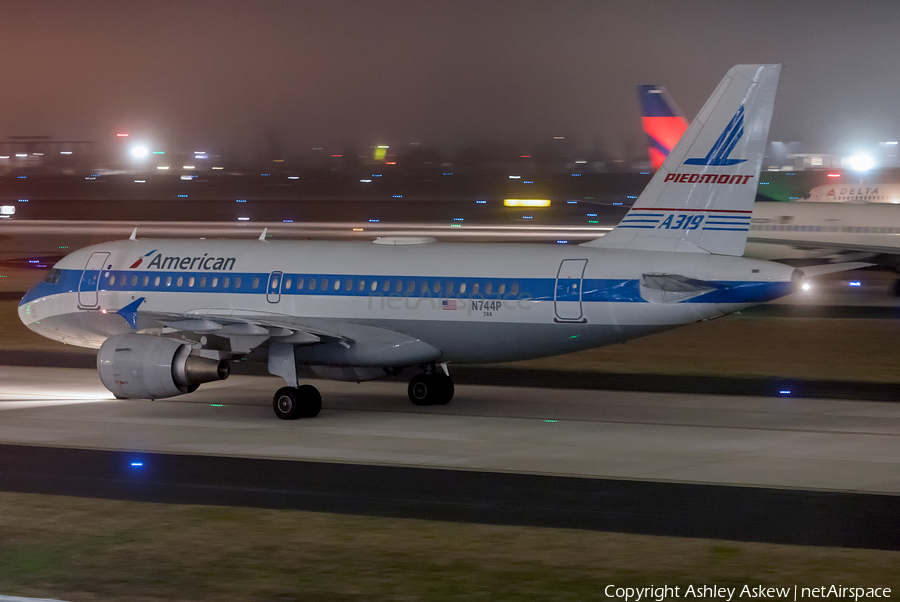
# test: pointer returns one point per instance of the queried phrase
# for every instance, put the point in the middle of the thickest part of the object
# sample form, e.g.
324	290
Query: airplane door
273	290
567	298
90	280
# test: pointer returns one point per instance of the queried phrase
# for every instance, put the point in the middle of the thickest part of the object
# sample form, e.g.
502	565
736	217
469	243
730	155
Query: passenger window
386	286
410	286
168	281
502	289
362	285
146	280
515	288
375	285
337	285
399	286
237	283
112	280
349	285
312	284
299	284
274	284
449	288
156	281
475	289
324	284
256	283
215	282
180	281
202	281
288	283
191	281
488	288
226	282
462	288
134	280
437	287
424	287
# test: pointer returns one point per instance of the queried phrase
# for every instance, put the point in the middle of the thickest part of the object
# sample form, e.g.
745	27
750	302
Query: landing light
806	286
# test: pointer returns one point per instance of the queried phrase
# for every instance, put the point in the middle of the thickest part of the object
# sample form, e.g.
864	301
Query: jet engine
138	366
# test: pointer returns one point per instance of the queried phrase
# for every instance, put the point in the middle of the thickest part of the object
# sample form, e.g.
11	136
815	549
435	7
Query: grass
85	549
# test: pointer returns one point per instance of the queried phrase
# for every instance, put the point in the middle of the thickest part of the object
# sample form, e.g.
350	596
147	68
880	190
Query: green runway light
216	405
551	421
574	336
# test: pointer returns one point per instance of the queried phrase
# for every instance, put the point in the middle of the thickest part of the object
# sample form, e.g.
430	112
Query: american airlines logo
718	154
203	262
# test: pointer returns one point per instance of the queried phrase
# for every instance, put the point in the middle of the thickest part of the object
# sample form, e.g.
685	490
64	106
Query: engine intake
139	366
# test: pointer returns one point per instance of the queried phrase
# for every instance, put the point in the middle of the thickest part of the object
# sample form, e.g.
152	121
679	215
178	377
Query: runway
617	455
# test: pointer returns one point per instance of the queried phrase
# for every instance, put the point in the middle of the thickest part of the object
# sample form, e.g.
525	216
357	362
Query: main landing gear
291	403
431	388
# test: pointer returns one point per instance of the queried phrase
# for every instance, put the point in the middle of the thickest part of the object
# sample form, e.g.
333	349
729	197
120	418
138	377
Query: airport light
526	202
139	151
861	162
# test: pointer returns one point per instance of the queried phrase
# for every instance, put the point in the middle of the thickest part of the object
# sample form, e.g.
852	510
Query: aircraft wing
837	247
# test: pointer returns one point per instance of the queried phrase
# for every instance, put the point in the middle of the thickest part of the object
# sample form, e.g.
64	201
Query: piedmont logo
718	154
203	262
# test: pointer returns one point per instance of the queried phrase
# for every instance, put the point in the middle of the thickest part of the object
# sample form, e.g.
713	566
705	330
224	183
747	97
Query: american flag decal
448	304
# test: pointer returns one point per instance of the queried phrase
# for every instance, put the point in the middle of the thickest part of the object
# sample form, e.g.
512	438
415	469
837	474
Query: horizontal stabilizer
673	288
832	268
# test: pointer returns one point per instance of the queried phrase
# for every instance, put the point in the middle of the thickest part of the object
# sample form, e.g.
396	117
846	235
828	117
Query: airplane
168	315
855	193
663	123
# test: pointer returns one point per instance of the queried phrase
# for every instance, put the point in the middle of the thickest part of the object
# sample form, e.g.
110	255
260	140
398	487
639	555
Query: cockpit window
52	276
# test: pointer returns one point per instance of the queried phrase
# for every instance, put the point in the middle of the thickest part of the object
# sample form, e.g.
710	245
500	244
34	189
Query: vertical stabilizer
663	123
701	198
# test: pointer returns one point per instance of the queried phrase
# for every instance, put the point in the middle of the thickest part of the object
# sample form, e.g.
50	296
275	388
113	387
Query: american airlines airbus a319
167	315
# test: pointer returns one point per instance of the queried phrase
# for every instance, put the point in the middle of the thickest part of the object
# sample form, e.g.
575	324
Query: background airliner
167	315
855	193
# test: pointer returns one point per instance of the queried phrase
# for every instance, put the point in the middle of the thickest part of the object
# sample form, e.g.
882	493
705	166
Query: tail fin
663	123
701	198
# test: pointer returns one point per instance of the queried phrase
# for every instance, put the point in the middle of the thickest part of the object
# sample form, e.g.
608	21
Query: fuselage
800	230
471	302
855	193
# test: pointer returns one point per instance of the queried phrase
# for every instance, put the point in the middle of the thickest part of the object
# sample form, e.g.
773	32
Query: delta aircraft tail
663	123
702	197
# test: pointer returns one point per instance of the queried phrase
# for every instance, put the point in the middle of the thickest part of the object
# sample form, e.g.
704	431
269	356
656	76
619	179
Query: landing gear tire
430	389
291	403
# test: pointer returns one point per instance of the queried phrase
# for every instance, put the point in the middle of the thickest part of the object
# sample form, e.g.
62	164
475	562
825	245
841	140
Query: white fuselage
803	230
855	193
470	302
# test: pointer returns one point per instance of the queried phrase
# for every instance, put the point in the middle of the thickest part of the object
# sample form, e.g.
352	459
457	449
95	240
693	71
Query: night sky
222	75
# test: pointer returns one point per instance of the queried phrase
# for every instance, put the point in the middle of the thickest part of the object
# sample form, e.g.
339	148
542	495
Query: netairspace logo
795	592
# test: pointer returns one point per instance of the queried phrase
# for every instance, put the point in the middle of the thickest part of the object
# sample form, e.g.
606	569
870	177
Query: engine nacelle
139	366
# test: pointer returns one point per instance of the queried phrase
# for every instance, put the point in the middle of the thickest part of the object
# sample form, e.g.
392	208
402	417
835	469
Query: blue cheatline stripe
537	289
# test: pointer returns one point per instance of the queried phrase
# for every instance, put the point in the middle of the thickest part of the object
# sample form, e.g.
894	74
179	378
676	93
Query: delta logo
172	262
